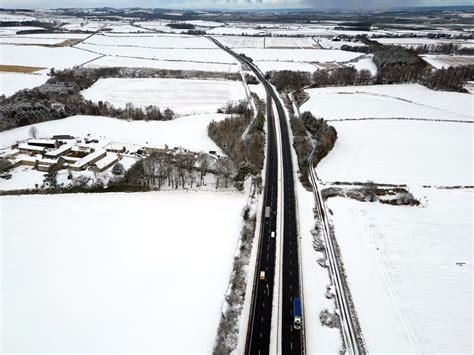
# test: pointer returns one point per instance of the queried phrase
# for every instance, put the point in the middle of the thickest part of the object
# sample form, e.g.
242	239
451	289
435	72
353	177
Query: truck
267	212
297	317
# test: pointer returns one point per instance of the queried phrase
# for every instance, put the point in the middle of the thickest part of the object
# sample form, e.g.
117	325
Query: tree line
63	99
311	135
392	66
180	170
241	137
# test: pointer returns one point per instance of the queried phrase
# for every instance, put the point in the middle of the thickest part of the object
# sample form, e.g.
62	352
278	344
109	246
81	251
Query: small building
45	143
80	151
115	148
24	159
150	150
61	137
11	154
105	163
62	150
70	160
89	159
25	148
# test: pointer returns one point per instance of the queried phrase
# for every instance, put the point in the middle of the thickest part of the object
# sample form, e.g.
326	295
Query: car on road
262	275
272	234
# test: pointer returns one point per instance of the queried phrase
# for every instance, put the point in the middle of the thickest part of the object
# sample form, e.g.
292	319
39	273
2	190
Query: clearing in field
181	95
137	274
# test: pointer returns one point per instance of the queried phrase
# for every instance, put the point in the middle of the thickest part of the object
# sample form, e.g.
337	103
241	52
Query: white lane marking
260	335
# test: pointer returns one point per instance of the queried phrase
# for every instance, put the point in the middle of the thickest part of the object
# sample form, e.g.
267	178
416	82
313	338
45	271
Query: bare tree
33	132
203	161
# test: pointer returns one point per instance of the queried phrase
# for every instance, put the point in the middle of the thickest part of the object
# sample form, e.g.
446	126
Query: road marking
291	273
291	287
290	261
260	335
261	319
263	304
291	345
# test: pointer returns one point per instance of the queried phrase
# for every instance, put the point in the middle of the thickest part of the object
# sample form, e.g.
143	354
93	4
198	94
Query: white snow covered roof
90	158
107	160
25	146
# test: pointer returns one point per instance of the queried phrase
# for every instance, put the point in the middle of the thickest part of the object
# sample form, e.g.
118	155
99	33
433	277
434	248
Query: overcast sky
244	4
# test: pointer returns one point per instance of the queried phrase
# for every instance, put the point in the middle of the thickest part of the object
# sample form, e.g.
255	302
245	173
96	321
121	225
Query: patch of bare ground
19	69
67	42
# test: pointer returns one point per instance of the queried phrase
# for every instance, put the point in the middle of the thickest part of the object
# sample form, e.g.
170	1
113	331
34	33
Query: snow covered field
268	42
419	41
181	95
415	275
111	61
10	83
446	61
413	287
150	41
43	38
188	132
389	101
35	56
128	277
401	152
300	55
365	63
269	65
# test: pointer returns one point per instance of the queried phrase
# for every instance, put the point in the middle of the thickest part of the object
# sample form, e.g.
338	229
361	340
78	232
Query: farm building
89	159
115	148
62	150
25	148
45	143
105	163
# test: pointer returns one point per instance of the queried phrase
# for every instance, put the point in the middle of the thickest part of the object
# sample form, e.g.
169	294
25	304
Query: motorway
259	331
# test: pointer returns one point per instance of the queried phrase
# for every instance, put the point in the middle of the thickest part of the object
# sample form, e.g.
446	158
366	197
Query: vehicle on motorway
262	275
297	317
272	234
267	212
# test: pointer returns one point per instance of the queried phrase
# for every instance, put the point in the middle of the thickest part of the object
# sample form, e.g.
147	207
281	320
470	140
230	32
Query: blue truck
297	317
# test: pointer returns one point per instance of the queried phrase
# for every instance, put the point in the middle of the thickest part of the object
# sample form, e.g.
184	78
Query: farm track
349	324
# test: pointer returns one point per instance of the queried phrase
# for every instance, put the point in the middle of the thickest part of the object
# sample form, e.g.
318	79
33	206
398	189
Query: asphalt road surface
258	339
